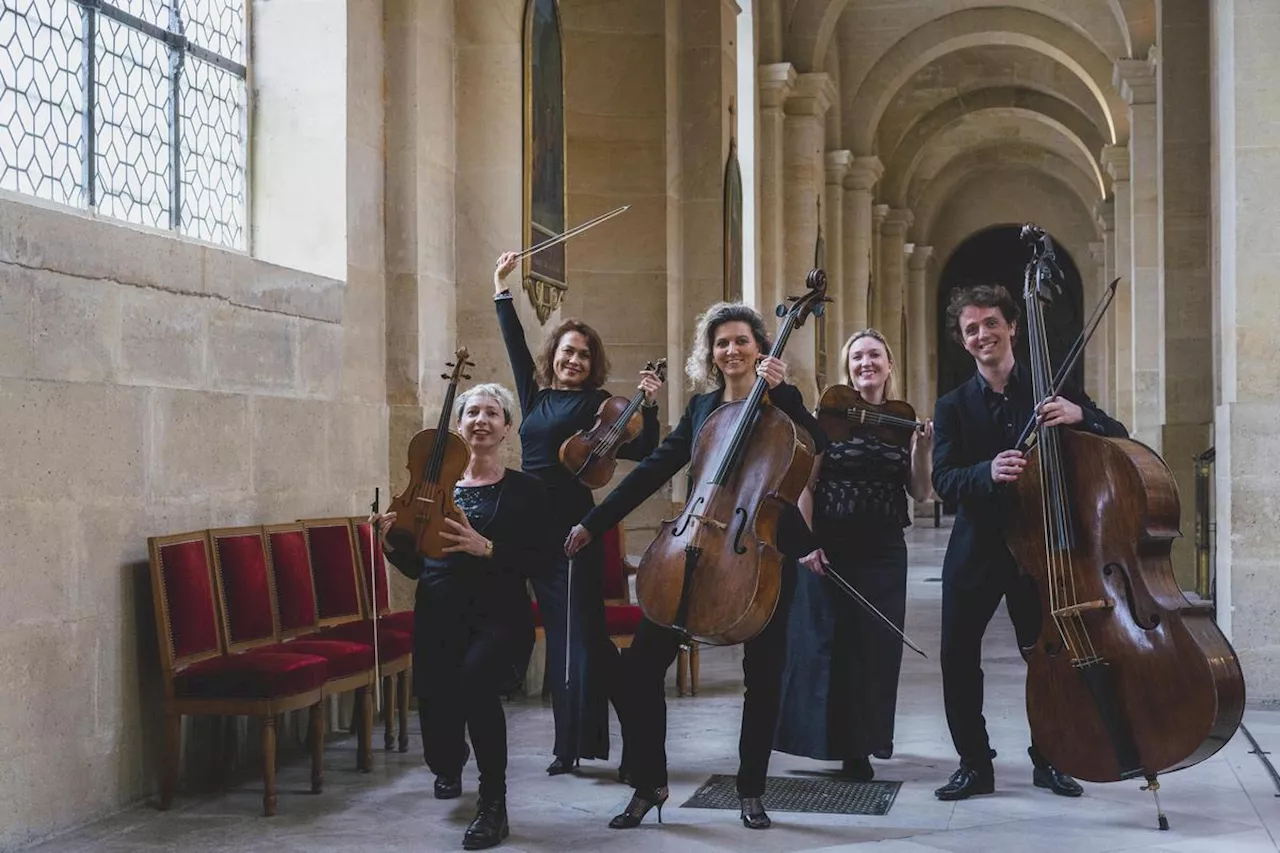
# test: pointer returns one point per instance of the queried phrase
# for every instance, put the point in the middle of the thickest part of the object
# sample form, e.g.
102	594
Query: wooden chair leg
315	737
693	670
364	753
268	765
682	660
172	749
402	695
388	718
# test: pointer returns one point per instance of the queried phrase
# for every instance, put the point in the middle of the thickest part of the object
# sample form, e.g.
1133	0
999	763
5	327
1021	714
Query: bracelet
649	405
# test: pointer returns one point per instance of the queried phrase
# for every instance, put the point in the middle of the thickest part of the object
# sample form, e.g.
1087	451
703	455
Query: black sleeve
955	478
790	402
643	444
1095	420
527	551
522	367
647	477
403	554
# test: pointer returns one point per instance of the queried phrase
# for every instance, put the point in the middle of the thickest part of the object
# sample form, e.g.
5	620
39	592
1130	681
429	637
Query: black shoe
1055	780
624	775
857	770
641	802
753	814
448	787
966	782
884	754
559	767
489	827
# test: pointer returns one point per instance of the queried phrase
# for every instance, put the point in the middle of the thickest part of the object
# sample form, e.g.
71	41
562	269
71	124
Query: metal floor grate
786	794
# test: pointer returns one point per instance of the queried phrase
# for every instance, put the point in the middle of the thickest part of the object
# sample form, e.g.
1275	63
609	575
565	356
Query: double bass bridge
1083	607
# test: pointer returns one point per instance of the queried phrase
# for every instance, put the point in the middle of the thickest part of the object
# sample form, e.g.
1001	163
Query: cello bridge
703	519
1084	606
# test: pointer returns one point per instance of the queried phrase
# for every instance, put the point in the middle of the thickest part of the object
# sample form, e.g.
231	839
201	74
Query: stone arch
974	28
1137	19
810	27
1074	126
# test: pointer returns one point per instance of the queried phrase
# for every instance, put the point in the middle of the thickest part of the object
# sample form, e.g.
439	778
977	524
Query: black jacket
676	451
964	442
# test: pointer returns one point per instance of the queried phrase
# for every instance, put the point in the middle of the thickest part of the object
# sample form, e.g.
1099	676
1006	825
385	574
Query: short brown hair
547	356
980	296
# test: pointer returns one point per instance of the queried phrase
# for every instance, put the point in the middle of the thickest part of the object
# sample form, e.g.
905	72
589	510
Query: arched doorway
998	256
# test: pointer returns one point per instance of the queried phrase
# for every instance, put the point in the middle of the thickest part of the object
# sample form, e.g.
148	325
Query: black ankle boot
754	815
448	787
857	769
641	803
489	827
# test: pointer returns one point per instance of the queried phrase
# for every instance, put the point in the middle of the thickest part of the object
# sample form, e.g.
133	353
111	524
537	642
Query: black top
549	416
862	481
794	538
971	424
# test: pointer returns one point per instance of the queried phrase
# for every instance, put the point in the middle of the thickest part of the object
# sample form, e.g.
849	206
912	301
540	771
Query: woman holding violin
728	354
835	649
472	623
560	395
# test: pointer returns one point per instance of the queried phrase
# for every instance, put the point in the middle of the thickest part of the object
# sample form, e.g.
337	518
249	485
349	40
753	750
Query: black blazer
677	450
964	442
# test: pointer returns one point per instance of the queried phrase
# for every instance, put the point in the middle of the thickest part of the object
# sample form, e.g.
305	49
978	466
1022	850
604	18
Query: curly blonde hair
700	367
844	359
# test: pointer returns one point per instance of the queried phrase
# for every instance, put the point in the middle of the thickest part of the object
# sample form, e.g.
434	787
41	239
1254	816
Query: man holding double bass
975	429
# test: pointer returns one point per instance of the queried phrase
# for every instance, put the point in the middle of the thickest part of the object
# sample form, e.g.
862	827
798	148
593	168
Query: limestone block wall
148	385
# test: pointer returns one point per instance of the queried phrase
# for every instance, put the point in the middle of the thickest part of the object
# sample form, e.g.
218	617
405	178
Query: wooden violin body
717	558
1127	678
843	413
591	455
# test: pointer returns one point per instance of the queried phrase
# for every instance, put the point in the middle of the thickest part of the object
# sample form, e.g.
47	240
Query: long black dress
840	686
549	417
473	626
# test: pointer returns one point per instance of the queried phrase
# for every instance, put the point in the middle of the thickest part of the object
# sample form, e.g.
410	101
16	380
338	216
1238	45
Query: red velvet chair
246	591
342	609
200	679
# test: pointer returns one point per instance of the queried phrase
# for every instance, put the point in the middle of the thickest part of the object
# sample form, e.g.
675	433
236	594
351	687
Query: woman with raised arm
836	649
559	395
728	353
473	627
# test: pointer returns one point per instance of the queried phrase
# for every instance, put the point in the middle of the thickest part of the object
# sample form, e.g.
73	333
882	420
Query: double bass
437	459
1127	678
714	572
591	454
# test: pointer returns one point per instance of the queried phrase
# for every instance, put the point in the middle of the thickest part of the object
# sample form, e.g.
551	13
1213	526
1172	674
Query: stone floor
1227	803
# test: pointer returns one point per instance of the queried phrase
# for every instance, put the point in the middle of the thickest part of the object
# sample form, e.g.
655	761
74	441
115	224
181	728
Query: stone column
1246	77
838	163
1186	224
919	394
893	275
776	83
1137	84
862	177
875	291
1104	213
1116	160
803	168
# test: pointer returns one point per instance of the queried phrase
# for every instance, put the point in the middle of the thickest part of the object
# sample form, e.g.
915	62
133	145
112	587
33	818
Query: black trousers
966	612
643	672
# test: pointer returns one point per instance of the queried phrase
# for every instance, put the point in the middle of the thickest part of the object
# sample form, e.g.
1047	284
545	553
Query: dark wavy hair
599	373
980	296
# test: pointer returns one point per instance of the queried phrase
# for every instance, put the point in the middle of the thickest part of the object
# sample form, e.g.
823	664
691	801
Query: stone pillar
803	168
1104	213
776	83
893	276
838	163
1116	160
1185	159
1137	84
1246	182
875	291
919	392
862	178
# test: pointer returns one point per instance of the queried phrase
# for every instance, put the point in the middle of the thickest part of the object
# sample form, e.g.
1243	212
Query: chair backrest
186	602
245	587
333	567
365	544
614	578
291	573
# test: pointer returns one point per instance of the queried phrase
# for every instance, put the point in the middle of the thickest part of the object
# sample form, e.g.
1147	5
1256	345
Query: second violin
842	412
591	454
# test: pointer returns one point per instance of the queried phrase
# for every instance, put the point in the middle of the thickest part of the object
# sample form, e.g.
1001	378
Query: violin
714	571
843	413
1127	678
437	459
591	454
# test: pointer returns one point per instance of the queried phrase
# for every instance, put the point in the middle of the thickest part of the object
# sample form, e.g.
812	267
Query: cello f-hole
688	516
741	514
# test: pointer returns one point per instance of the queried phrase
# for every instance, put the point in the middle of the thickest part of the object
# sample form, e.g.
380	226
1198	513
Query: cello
713	573
591	454
437	459
1127	678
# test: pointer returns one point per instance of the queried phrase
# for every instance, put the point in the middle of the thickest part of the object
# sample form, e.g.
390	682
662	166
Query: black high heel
639	806
754	815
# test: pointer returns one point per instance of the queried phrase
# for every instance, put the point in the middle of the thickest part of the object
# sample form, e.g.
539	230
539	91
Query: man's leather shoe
1055	780
489	827
966	782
